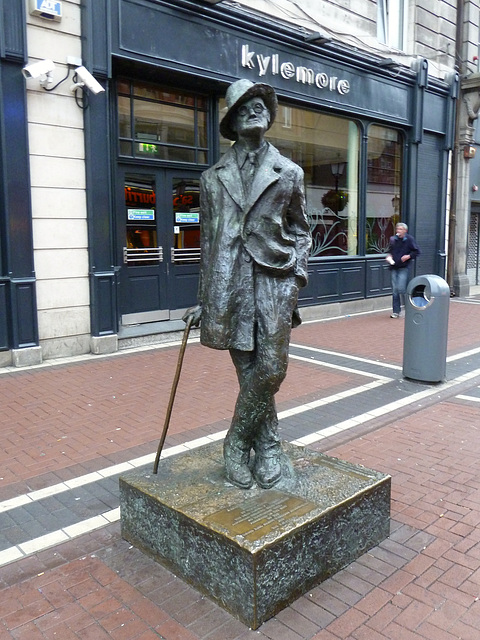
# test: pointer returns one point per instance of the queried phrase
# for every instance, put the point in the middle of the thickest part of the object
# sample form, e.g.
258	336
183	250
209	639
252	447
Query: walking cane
173	392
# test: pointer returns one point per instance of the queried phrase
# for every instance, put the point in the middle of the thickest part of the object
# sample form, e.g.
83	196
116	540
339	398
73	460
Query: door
473	255
159	241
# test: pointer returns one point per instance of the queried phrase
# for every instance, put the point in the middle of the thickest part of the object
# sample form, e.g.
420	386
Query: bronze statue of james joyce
255	242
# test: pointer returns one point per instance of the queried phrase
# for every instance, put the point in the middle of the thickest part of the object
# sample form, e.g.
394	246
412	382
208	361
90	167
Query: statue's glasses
257	108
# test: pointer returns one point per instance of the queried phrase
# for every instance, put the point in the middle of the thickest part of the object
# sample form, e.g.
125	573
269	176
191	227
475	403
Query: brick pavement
422	583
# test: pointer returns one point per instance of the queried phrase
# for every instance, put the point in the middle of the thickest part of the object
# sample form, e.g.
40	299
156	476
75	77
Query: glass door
143	277
184	190
159	242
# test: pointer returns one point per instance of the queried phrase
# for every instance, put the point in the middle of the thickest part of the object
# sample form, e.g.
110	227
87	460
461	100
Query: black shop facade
355	124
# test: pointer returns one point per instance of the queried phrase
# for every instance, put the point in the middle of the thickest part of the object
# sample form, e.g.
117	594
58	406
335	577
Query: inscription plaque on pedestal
260	515
255	551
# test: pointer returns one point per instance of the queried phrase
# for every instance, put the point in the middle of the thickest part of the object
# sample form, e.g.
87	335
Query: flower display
335	200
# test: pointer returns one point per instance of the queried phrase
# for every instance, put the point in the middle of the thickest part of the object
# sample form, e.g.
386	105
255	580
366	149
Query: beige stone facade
57	175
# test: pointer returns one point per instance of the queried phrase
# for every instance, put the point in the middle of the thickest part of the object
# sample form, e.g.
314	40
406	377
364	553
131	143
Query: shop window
384	186
161	124
327	149
391	23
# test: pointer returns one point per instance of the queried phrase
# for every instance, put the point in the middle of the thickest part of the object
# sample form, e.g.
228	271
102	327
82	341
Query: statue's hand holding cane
195	313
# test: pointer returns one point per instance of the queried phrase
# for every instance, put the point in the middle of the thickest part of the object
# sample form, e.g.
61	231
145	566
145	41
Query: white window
287	117
391	23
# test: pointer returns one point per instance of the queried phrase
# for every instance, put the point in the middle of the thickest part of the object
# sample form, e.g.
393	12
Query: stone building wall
57	171
434	31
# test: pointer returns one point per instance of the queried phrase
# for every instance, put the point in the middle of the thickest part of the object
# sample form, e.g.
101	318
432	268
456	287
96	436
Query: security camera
40	68
85	79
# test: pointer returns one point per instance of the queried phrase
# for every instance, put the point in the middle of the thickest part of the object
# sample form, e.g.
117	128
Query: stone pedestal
255	551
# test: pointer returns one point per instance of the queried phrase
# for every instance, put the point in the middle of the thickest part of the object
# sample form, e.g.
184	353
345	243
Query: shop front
373	141
162	138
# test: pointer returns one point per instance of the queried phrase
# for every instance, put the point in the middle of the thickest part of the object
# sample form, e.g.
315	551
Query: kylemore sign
274	65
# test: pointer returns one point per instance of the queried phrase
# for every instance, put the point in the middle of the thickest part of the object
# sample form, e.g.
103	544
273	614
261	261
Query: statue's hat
238	93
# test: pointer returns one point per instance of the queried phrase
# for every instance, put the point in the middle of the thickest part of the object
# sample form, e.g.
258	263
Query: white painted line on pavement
464	354
348	315
10	555
453	358
347	357
43	542
322	363
13	503
76	482
85	526
56	537
469	398
56	362
330	399
388	408
88	478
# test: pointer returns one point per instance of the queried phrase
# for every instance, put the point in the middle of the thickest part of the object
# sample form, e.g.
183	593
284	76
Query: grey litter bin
427	301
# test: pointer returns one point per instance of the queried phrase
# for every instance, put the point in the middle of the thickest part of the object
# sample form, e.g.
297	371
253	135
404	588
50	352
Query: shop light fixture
387	62
317	37
337	169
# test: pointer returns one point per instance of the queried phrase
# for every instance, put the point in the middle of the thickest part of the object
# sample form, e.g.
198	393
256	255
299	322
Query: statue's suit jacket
267	229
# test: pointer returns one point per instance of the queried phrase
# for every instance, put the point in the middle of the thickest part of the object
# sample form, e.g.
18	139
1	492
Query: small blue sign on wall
50	9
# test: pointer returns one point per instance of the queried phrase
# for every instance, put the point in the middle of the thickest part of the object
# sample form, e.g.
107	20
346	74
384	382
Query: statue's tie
249	169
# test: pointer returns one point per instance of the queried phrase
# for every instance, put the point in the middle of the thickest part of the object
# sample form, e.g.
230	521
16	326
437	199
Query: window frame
392	21
395	196
133	140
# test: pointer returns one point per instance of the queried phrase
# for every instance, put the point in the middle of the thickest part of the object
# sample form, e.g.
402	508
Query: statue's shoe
236	466
239	475
267	470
